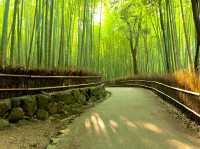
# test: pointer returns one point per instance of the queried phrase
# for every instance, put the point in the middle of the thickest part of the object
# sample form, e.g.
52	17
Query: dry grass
189	80
49	72
183	79
23	82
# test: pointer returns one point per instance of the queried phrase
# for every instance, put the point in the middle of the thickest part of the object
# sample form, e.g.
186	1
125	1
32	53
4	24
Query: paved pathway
132	118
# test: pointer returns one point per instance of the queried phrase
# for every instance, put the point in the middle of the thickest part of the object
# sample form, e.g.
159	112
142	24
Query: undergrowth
183	79
19	70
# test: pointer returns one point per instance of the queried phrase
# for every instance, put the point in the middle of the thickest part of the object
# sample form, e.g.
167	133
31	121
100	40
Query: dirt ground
28	135
35	134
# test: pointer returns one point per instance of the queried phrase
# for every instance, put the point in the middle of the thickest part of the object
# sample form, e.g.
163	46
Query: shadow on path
131	118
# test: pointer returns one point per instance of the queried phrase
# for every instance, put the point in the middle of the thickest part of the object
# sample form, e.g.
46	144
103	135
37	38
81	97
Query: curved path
132	118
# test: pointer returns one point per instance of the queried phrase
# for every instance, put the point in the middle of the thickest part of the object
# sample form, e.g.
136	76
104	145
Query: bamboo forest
113	37
91	74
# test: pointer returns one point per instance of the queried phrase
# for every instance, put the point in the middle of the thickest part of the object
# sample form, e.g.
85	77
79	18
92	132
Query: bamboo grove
112	37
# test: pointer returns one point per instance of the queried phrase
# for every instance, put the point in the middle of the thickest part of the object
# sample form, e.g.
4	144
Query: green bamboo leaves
114	38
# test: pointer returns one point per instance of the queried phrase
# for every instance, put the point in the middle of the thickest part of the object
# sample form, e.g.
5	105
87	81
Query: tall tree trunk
61	47
164	37
4	33
50	32
32	37
196	16
41	48
46	34
134	48
38	33
186	35
100	25
19	32
13	33
82	50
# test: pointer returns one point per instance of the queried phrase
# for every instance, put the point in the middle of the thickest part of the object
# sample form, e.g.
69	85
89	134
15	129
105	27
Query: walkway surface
132	118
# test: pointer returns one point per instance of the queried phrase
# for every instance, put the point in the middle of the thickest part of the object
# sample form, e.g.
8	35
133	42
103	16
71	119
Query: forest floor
28	135
34	134
131	118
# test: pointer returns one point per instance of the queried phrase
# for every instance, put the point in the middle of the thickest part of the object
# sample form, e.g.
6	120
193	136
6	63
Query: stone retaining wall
43	105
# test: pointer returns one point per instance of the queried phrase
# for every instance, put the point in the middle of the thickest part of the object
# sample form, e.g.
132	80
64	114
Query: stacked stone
43	105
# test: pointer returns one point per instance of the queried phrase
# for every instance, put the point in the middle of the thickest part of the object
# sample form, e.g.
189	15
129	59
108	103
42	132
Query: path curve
132	118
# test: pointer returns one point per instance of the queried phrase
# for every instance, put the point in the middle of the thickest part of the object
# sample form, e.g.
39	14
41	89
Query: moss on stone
60	106
75	109
65	96
64	102
3	123
16	102
53	108
42	114
98	92
16	114
92	99
79	97
29	105
5	106
42	101
86	93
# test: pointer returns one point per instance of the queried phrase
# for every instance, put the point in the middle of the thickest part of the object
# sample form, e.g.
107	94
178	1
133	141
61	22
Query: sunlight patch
152	127
128	122
97	123
178	145
88	124
113	126
99	14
